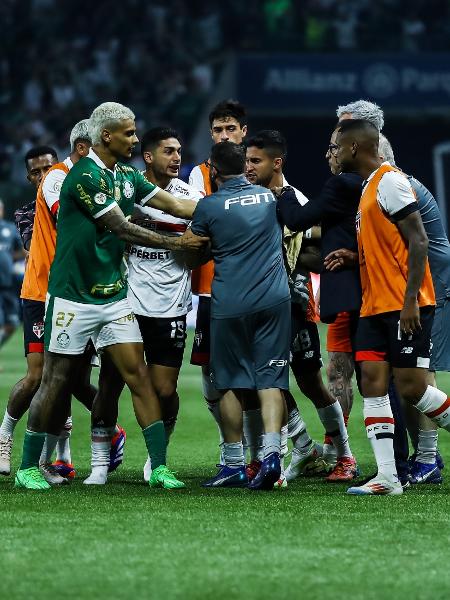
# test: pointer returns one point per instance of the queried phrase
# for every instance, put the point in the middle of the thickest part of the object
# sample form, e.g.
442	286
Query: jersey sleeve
51	188
144	189
90	195
395	196
199	223
196	180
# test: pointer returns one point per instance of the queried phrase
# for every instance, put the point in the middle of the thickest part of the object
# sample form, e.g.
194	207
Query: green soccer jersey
88	264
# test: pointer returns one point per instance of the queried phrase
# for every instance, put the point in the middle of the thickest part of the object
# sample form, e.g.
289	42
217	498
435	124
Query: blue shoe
425	473
440	461
268	474
228	477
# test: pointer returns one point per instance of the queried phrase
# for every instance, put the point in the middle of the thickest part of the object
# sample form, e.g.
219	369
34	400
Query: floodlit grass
127	541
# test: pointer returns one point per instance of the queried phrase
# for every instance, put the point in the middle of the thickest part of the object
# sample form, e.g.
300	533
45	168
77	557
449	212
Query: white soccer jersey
196	180
159	283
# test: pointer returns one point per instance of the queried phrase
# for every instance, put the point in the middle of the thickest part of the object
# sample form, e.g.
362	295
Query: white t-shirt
394	191
196	180
159	283
52	184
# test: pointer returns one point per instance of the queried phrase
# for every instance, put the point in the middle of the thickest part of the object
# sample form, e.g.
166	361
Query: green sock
156	442
32	448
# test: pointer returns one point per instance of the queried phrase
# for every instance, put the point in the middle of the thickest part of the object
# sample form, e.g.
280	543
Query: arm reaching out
339	259
115	221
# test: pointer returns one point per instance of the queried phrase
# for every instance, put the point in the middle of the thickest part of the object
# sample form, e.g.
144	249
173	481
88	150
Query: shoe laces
342	465
5	447
34	473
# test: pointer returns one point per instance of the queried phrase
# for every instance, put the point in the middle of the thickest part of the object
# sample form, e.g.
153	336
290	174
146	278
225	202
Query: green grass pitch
127	541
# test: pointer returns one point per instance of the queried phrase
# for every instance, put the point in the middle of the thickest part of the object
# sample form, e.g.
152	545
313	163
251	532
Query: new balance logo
277	362
406	350
250	199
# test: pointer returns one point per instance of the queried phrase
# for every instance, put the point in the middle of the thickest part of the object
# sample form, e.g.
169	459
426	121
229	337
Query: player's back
246	245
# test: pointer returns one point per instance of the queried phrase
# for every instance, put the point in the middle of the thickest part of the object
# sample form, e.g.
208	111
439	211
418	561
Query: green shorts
252	351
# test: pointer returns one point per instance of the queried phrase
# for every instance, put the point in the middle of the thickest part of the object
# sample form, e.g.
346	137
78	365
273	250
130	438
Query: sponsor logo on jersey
57	186
38	329
128	189
250	199
63	339
117	194
84	196
149	255
100	198
278	362
87	174
103	184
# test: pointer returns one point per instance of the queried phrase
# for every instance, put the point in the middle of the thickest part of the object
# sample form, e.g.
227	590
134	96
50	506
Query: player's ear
244	130
148	157
106	136
277	164
354	149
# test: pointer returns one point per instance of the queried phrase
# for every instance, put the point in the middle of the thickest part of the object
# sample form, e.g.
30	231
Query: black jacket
335	209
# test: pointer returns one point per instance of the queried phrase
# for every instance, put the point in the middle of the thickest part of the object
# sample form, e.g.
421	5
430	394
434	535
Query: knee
33	379
166	391
411	391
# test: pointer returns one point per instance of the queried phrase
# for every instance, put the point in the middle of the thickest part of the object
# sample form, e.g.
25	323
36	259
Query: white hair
79	132
105	116
363	109
385	150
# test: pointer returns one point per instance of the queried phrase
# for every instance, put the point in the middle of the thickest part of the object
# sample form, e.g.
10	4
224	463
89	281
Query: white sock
436	405
8	425
253	432
48	449
427	446
333	421
284	440
233	454
63	444
101	448
379	423
297	432
272	443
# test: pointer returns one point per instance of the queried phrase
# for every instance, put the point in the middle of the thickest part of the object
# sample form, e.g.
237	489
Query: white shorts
69	325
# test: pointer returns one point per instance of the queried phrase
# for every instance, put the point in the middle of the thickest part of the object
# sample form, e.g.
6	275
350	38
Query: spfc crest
38	330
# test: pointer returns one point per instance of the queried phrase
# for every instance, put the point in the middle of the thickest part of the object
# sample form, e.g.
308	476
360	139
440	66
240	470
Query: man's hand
278	191
338	259
189	242
410	317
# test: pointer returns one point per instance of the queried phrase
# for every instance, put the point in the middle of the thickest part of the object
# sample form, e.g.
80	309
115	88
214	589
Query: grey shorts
440	338
252	351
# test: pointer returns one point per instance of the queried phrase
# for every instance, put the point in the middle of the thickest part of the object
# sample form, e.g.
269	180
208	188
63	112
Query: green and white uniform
87	288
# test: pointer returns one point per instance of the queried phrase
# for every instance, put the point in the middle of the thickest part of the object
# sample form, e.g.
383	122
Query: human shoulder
394	192
196	179
301	198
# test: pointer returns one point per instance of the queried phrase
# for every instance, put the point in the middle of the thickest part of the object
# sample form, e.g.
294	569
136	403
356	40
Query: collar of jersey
373	172
98	161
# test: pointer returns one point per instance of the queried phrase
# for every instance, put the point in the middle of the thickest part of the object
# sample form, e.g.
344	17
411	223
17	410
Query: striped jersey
159	283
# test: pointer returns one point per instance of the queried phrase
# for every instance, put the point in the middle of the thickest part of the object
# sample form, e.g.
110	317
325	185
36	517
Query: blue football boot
425	473
268	474
228	477
439	460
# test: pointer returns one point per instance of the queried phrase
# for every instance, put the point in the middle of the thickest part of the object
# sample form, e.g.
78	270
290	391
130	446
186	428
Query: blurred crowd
58	60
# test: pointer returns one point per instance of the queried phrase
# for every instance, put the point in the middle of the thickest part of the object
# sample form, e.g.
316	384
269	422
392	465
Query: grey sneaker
51	475
5	454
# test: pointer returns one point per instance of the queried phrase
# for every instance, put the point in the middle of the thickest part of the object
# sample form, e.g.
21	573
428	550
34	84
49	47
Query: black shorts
202	338
9	307
305	343
33	326
378	338
252	351
164	339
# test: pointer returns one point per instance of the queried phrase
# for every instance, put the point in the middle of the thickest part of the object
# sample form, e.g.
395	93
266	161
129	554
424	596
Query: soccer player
228	122
423	433
10	251
38	161
250	311
363	109
159	286
87	293
395	327
266	156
